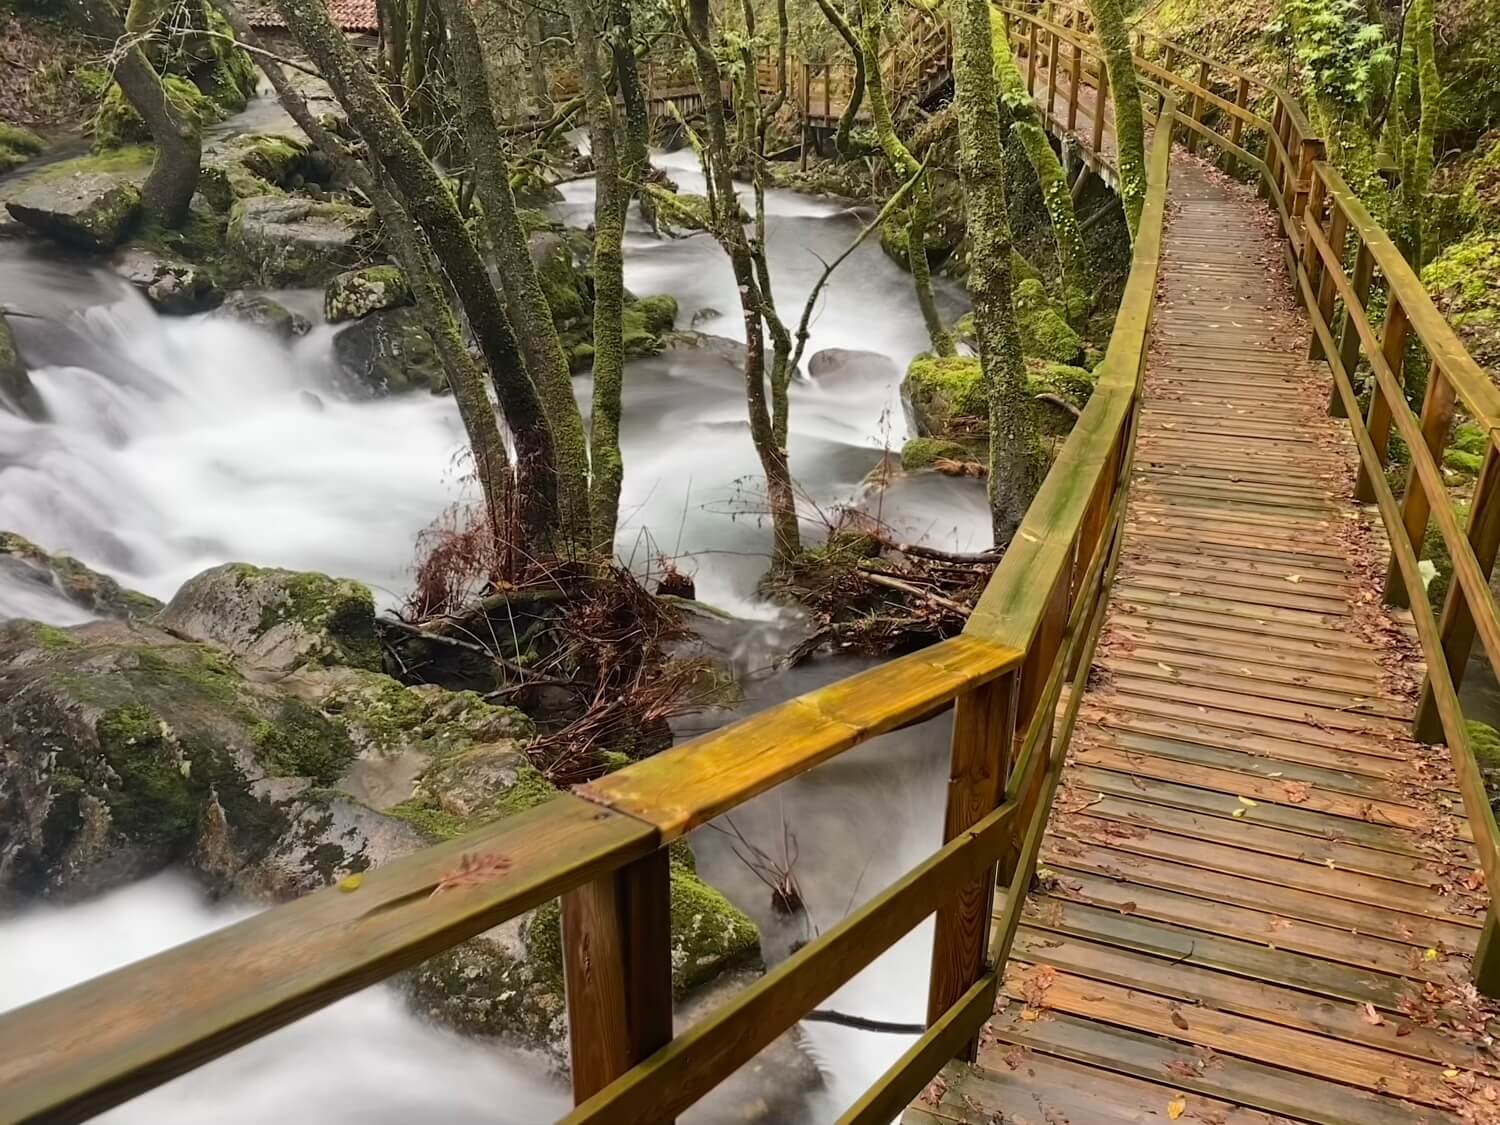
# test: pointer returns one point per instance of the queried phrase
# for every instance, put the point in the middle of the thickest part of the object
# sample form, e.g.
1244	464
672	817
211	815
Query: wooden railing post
617	968
1198	106
1099	104
1437	416
1364	271
1273	154
1052	49
1237	123
1031	57
1309	152
983	741
806	106
1456	629
1487	956
1338	232
1074	77
1378	419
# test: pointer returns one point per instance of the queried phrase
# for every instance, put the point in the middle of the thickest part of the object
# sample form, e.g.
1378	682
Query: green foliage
1464	281
1045	333
1344	56
117	123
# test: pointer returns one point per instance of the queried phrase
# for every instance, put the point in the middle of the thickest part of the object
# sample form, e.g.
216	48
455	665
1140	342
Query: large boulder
90	210
389	352
277	620
358	293
86	588
947	395
294	240
260	311
835	366
173	286
16	388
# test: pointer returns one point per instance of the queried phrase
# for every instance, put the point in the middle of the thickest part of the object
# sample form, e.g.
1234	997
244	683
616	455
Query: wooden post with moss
1130	134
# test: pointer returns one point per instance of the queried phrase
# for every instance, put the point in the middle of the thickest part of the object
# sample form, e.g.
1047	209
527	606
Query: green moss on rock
17	145
117	123
921	452
358	293
300	741
945	391
154	802
1045	332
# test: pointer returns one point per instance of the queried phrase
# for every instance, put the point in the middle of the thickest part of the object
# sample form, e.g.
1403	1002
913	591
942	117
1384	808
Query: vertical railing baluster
1338	231
1378	419
1437	417
617	969
1486	974
1052	49
983	740
1456	629
1198	106
1273	154
1031	57
1310	151
1075	76
1099	104
1349	341
1236	122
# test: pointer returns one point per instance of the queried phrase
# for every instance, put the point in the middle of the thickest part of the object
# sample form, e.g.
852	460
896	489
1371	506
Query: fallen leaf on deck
351	882
1247	802
1372	1017
1176	1107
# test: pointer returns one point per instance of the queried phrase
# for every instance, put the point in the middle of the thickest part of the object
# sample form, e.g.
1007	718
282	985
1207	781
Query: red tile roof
349	15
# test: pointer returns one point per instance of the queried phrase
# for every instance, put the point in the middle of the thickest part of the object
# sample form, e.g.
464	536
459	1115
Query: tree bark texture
611	195
1015	459
1430	86
432	206
1125	93
525	303
919	214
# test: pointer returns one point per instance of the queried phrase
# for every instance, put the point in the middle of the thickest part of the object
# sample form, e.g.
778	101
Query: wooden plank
1238	1080
90	1047
1348	1021
692	783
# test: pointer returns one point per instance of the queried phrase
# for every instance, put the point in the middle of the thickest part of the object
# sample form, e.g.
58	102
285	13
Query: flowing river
175	444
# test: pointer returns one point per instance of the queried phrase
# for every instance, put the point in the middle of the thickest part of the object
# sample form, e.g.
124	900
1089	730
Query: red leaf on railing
472	870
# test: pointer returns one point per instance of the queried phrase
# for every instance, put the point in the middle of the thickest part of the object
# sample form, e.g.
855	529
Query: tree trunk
173	178
611	195
465	379
1015	455
431	205
1430	85
1124	92
637	134
526	304
1056	195
843	142
536	70
906	165
731	235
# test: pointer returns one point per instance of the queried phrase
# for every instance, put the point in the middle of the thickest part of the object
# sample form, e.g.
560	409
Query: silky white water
175	444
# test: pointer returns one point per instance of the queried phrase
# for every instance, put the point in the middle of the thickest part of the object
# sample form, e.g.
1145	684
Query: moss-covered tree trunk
730	234
525	302
1056	196
1125	94
1430	86
465	379
634	157
919	214
178	156
1015	455
611	196
536	64
843	142
431	205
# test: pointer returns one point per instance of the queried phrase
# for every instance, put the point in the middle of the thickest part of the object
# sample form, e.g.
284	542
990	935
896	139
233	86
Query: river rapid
175	444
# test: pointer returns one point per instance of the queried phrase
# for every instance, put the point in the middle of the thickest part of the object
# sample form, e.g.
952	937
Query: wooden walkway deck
1255	888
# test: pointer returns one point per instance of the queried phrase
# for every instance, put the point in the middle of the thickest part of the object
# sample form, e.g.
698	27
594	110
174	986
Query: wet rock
173	286
16	388
260	311
947	395
89	210
833	364
277	620
389	352
929	453
358	293
565	285
294	240
84	587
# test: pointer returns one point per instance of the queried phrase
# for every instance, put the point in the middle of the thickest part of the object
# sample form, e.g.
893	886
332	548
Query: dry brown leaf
1372	1017
473	868
1297	792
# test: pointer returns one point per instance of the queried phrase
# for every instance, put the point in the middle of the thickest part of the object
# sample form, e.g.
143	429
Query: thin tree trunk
1124	92
1056	195
1430	85
906	166
637	133
432	207
465	378
611	195
173	178
525	303
1015	455
536	70
843	142
731	235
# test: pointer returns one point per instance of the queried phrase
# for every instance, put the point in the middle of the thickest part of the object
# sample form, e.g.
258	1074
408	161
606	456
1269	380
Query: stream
176	444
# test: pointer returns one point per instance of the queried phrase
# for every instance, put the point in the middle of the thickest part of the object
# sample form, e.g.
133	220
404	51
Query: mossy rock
358	293
1045	332
260	164
1465	456
117	123
1484	741
17	146
295	240
278	619
895	240
390	352
89	203
645	321
922	452
683	210
563	284
1464	281
947	395
84	587
16	388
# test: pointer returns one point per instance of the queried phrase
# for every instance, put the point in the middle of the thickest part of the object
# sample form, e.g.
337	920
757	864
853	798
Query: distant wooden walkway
1256	890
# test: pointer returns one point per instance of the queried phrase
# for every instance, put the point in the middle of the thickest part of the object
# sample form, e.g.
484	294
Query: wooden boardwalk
1253	892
